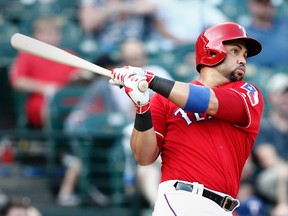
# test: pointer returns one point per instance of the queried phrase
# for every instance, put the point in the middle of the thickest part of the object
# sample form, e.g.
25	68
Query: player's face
233	67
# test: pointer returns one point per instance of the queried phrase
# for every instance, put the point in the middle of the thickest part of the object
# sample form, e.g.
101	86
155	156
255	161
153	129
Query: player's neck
211	78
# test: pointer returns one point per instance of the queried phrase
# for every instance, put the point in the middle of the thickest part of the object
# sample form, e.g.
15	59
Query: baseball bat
31	45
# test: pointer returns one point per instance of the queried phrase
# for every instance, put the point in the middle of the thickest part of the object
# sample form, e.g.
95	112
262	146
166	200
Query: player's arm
225	104
190	97
144	145
193	98
143	140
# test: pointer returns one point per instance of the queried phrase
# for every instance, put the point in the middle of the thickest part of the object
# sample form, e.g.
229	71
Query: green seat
19	99
60	105
7	52
102	154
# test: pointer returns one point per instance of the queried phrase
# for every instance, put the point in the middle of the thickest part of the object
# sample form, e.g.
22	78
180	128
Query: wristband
162	86
143	121
198	99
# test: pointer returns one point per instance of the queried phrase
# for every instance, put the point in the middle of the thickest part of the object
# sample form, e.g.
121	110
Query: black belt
225	202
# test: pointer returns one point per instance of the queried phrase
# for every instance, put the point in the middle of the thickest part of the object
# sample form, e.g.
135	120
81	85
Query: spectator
20	206
133	53
271	146
271	30
148	179
251	203
95	99
40	79
102	96
180	22
111	22
145	178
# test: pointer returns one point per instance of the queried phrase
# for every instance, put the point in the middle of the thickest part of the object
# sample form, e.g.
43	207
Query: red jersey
211	150
31	66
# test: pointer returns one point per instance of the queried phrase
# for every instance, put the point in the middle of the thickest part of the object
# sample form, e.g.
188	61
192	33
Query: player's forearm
144	146
190	97
180	93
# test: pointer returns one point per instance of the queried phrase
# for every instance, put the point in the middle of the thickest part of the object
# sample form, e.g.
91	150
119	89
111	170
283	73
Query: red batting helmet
210	49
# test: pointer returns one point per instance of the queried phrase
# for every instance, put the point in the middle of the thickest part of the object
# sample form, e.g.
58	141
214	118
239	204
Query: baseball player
204	130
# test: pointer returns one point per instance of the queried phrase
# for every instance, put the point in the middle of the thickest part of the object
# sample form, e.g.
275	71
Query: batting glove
118	75
140	99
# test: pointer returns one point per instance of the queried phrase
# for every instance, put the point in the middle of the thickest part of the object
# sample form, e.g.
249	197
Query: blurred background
63	139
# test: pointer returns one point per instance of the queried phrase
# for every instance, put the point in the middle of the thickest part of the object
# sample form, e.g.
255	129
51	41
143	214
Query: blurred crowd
158	36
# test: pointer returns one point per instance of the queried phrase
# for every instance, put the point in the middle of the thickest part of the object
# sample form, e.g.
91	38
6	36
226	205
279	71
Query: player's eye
238	51
235	50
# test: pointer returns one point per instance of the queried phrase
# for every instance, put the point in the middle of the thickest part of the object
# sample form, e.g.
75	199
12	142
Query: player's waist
225	201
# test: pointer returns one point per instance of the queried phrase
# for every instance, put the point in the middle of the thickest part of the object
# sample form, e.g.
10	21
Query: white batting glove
118	74
140	99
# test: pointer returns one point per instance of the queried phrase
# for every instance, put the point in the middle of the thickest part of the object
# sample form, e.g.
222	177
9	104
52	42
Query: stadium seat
60	105
102	155
7	52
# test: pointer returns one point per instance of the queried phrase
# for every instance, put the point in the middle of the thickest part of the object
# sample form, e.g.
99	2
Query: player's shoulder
248	91
242	86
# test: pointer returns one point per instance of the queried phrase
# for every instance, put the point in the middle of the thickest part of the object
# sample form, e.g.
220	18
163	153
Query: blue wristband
198	99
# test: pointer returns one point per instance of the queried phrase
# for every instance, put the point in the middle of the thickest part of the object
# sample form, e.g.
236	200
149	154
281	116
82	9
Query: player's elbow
144	162
146	159
213	104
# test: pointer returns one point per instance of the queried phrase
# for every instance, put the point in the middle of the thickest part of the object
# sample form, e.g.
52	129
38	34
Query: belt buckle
228	204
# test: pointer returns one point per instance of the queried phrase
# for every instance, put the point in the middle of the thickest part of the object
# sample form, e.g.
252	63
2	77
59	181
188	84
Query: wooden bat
31	45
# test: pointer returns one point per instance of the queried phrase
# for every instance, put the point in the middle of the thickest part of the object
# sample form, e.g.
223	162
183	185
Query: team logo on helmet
243	30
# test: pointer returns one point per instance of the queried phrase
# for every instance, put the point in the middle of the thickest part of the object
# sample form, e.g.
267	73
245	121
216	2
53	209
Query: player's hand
140	99
118	75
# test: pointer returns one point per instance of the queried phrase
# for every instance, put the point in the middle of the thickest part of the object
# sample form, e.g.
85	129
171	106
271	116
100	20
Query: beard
233	77
230	74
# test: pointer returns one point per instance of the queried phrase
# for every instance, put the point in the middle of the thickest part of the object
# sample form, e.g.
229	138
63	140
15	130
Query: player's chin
236	76
239	73
240	77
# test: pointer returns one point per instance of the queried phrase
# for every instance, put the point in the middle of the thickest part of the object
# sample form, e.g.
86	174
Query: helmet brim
253	46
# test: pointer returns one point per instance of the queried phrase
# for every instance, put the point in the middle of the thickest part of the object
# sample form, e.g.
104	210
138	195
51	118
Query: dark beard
233	77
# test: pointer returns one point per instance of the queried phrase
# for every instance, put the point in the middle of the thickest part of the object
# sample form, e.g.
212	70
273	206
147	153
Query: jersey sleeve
241	104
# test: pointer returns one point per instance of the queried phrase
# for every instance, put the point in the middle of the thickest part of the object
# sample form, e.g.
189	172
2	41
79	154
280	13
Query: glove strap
149	76
141	109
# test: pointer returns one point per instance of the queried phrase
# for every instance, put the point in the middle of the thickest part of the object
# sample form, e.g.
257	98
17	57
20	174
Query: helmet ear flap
214	57
210	53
